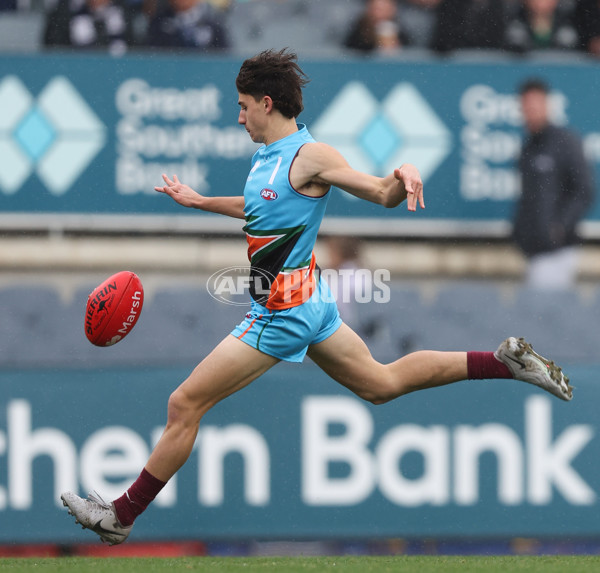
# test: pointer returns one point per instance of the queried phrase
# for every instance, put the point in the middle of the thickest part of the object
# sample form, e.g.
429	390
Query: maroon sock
482	365
137	498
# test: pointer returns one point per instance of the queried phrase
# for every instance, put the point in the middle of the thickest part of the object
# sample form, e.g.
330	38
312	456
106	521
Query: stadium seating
185	324
471	316
32	326
21	31
180	325
312	26
557	320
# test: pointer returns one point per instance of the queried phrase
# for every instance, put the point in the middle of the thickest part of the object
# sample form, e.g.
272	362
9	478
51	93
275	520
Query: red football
113	308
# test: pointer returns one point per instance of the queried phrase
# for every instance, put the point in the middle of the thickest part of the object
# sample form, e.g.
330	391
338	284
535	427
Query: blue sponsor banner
92	134
296	456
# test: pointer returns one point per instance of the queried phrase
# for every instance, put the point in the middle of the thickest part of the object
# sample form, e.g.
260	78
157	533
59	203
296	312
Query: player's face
252	117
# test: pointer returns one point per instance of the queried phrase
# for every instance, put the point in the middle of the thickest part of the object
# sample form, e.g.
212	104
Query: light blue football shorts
287	334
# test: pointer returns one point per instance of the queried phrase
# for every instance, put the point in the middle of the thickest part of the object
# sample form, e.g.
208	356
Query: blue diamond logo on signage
379	140
376	136
55	135
35	134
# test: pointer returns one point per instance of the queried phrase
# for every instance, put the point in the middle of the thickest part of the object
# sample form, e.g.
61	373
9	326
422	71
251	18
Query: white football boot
528	366
95	514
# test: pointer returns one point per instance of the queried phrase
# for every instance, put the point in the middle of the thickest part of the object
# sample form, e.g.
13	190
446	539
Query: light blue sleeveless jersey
281	226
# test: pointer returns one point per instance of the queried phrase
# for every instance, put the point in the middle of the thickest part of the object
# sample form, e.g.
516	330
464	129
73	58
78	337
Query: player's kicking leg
346	358
231	366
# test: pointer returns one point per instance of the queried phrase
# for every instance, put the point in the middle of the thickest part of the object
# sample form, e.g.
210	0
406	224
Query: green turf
403	564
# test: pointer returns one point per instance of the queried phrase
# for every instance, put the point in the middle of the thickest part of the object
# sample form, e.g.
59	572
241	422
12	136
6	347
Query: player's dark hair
276	74
534	85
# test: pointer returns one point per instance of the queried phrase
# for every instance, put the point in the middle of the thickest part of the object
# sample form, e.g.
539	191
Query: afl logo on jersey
269	194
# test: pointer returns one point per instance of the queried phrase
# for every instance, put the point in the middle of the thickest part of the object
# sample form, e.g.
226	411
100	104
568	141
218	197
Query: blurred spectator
557	190
8	5
222	5
418	18
587	23
540	25
352	286
469	24
194	24
377	29
344	261
89	24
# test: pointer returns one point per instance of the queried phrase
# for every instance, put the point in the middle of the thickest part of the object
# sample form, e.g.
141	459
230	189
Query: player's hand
179	192
413	184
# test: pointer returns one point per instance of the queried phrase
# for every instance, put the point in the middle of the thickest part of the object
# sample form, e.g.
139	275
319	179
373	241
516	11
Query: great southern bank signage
294	456
87	134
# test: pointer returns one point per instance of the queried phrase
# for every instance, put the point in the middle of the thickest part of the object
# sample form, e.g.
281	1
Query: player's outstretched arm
186	196
322	163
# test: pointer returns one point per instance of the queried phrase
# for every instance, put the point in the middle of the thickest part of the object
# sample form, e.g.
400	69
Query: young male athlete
292	311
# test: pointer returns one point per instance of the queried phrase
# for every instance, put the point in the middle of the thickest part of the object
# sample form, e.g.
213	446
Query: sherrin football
113	308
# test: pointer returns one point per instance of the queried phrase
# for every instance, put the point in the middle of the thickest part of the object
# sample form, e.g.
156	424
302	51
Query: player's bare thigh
231	366
346	358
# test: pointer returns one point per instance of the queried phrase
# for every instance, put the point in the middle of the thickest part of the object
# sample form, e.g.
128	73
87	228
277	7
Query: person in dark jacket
188	24
89	25
587	23
541	25
557	191
469	24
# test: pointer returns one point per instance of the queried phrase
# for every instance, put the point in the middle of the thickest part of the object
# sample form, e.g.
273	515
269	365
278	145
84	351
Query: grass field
403	564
